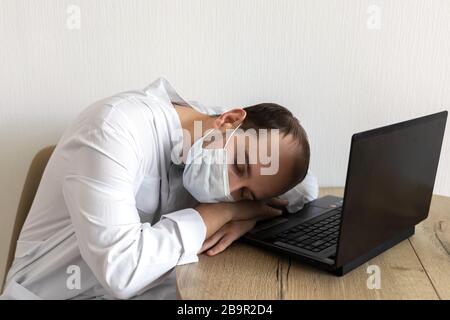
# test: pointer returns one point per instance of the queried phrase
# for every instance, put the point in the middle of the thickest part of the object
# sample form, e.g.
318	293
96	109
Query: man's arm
216	215
126	256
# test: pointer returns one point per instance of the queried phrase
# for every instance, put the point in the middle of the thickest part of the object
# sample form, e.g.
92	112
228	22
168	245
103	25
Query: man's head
267	155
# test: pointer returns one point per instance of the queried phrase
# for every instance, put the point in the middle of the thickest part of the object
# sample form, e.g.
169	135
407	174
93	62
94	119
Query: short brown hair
274	116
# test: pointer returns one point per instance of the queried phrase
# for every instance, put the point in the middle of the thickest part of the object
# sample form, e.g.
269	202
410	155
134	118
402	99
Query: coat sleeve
127	256
304	192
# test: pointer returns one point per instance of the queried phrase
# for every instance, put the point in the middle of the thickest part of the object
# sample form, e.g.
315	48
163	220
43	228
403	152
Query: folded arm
126	256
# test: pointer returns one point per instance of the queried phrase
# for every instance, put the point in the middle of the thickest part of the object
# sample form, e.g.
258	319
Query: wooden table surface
418	268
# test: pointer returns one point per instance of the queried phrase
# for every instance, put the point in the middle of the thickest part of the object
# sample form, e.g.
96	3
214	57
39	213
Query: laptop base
340	271
329	266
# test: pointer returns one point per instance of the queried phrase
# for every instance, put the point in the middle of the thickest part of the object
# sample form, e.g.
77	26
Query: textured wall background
341	66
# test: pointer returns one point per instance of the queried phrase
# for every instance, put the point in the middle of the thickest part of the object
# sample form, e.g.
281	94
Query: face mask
205	174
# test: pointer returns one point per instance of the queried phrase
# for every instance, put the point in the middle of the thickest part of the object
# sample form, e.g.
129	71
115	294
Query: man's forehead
272	142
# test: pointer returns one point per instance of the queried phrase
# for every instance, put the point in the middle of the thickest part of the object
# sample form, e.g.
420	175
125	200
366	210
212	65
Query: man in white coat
130	193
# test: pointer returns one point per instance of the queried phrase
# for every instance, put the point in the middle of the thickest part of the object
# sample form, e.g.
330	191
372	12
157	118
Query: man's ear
230	119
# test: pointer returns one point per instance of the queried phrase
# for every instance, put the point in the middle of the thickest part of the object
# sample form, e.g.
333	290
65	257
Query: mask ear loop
228	196
206	135
231	135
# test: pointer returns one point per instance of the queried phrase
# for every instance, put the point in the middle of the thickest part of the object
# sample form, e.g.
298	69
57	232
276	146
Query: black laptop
390	180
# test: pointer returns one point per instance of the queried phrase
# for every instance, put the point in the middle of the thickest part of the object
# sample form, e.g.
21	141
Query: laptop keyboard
315	235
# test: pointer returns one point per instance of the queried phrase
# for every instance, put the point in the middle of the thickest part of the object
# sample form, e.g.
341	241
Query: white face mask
205	174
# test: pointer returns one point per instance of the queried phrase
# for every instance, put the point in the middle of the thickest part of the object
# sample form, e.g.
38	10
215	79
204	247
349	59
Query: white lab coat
111	218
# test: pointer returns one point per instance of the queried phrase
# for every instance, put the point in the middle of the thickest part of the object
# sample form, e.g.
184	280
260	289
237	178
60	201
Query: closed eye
247	194
242	168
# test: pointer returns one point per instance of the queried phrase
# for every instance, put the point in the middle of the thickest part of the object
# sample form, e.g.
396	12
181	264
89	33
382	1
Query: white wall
317	57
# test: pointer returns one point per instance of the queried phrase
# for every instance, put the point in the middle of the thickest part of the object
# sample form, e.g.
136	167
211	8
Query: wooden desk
418	268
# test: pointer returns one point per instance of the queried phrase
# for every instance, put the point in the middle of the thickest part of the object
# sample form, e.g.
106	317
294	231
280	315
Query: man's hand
216	215
226	235
245	214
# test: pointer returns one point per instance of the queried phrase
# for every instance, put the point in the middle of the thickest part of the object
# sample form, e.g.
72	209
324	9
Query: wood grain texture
402	277
432	245
244	271
414	269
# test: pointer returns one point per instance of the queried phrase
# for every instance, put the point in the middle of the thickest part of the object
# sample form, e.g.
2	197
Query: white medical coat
111	218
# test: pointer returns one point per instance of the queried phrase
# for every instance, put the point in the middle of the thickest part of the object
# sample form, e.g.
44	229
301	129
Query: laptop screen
390	182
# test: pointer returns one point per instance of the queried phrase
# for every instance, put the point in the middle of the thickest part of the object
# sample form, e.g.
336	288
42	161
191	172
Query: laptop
388	190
